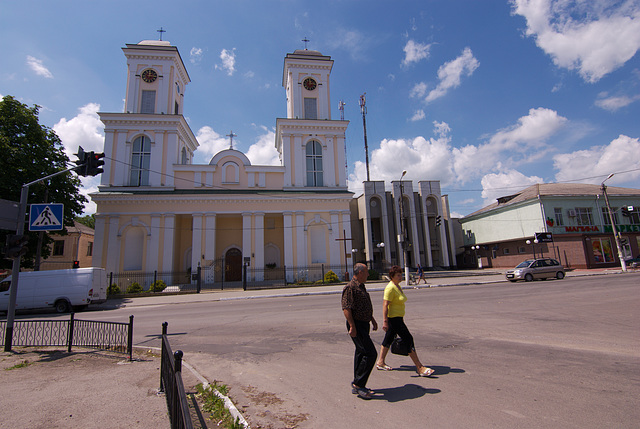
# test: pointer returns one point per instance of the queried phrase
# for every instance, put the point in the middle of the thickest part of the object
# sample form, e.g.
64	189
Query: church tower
151	135
310	143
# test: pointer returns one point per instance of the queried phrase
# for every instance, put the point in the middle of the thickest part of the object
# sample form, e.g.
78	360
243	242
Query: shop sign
623	228
582	229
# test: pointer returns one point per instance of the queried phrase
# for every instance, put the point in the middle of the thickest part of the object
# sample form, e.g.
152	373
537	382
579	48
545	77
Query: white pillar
287	218
153	244
259	246
301	242
196	241
210	236
113	246
246	235
334	245
168	242
99	237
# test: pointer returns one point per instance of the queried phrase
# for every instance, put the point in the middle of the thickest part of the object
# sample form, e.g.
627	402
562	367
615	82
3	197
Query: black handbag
399	347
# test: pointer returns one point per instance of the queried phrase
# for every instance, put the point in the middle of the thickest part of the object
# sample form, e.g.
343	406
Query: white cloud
614	103
84	130
196	55
621	154
418	115
418	90
450	74
352	41
594	38
37	66
249	74
210	143
228	61
414	52
495	185
264	152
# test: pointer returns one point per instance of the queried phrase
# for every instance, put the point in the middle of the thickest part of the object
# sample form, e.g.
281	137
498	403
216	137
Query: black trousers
365	355
397	327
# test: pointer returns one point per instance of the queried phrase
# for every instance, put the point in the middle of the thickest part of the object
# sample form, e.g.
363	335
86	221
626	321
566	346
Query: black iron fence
172	386
217	276
111	336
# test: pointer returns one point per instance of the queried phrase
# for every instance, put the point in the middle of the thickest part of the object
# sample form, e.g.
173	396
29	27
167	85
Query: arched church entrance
233	265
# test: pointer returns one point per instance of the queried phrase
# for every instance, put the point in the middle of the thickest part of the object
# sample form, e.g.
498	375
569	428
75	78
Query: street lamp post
402	238
475	254
380	247
616	235
535	241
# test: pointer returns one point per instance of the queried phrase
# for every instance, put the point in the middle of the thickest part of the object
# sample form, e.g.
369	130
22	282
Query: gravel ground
50	388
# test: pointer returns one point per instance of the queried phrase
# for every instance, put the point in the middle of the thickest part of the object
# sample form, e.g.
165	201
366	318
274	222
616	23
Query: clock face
309	84
149	76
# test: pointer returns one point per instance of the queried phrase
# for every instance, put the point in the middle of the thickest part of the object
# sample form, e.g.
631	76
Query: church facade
159	212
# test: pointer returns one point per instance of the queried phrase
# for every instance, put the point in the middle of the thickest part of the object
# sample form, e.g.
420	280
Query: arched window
133	249
314	164
230	172
184	160
140	161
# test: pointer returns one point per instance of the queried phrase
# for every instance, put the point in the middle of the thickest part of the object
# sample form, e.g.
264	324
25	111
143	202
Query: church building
157	212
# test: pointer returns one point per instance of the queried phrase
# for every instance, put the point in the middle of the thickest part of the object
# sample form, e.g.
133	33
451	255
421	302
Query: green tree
88	220
30	151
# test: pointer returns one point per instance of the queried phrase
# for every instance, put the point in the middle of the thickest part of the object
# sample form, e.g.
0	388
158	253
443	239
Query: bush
373	275
158	286
135	288
331	277
114	289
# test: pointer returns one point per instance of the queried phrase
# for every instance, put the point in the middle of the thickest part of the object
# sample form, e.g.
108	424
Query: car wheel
62	306
528	278
559	275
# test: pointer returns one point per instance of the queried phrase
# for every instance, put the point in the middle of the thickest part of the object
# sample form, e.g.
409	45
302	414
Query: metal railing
172	386
111	336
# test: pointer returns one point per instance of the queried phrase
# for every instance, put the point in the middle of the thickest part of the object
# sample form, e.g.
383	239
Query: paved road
543	354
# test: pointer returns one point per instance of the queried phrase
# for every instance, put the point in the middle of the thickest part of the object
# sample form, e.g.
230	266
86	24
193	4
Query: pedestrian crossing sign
46	217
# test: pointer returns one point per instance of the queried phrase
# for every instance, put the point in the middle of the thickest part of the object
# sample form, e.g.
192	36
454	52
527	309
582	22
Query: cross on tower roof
161	31
305	40
231	136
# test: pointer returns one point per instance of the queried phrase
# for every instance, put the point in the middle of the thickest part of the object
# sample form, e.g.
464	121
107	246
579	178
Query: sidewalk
50	388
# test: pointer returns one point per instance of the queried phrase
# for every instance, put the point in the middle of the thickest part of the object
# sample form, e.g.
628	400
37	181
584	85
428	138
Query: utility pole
616	234
402	238
363	109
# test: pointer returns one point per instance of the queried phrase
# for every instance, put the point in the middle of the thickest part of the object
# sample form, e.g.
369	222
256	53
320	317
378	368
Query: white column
414	230
259	246
122	154
427	233
287	219
346	226
210	236
299	160
167	245
155	165
443	239
113	246
109	149
452	238
99	237
246	235
171	150
301	241
153	244
286	159
329	164
334	245
196	241
339	155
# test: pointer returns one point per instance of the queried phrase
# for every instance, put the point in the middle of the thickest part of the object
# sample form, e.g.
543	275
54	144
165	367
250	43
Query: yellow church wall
274	232
182	241
228	234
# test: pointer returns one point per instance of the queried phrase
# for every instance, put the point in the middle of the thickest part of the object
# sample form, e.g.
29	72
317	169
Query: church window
140	161
314	164
177	109
148	104
310	108
230	173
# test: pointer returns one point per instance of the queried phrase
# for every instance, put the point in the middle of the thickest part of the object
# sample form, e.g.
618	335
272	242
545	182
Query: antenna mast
363	109
341	105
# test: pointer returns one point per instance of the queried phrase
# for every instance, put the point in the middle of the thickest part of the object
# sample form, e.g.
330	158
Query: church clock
149	76
309	84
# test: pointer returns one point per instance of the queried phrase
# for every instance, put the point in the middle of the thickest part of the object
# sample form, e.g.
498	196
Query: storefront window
602	251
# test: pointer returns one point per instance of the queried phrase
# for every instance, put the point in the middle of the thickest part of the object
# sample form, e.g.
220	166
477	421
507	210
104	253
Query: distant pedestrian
393	323
358	310
421	275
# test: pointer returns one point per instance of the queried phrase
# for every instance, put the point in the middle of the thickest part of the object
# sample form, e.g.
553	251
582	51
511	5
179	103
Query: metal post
616	236
199	280
130	338
70	333
244	276
177	356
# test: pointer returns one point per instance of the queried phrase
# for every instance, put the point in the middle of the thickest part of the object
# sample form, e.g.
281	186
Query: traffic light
81	163
626	211
438	220
94	162
76	264
16	246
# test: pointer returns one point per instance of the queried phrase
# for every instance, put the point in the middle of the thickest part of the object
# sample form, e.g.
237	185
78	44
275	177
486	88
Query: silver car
531	269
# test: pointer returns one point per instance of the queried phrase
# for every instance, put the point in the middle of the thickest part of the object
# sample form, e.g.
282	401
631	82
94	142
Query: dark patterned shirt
356	298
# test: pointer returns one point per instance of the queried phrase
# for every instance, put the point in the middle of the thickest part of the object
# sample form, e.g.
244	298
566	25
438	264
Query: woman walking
393	323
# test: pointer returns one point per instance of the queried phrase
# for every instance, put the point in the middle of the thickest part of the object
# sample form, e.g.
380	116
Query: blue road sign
46	217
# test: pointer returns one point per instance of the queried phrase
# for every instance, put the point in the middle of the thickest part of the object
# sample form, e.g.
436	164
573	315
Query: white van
60	289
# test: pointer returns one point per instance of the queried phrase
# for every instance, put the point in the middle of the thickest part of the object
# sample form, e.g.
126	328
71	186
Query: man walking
358	310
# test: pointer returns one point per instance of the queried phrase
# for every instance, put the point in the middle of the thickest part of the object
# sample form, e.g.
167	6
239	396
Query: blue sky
488	97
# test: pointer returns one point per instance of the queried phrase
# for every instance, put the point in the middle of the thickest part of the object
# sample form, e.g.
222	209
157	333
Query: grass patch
214	406
23	364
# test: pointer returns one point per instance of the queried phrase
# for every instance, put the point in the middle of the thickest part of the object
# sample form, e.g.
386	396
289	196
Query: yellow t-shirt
396	299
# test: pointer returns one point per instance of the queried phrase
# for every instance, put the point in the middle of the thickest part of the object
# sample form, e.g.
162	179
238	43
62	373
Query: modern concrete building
571	221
